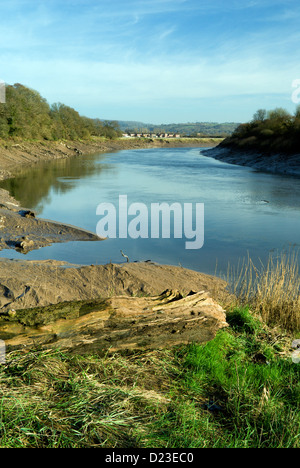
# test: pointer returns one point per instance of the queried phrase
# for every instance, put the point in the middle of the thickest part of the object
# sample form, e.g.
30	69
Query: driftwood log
115	324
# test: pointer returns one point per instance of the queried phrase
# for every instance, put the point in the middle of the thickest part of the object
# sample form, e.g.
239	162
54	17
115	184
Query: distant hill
189	129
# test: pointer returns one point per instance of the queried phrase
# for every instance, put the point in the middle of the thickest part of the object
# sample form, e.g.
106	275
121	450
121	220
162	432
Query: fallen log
115	324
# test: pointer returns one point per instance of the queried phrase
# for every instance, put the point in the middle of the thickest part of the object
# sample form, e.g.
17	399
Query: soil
25	284
22	231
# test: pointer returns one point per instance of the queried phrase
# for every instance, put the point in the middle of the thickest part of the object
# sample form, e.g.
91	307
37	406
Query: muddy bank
27	284
22	231
273	163
15	154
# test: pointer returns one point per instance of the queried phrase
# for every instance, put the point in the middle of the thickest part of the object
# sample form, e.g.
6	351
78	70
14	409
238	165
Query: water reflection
245	211
32	186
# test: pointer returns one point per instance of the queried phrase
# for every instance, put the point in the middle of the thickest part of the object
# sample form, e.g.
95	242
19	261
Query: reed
271	290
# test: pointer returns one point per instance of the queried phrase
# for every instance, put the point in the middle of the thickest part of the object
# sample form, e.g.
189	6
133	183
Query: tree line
27	115
269	131
197	129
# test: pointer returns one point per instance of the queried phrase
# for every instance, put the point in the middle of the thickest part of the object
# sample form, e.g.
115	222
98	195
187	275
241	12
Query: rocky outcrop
115	324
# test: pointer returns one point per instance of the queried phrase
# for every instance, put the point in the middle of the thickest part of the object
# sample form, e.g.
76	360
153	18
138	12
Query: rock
296	354
115	324
27	214
296	357
296	344
24	244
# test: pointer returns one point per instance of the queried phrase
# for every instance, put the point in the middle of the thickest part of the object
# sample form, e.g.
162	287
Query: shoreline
271	164
27	284
15	154
19	227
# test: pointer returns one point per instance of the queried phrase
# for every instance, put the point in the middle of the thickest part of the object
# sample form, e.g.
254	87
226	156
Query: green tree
260	115
26	114
297	112
279	114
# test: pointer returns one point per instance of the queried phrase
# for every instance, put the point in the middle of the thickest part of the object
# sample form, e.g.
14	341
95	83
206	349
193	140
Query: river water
245	212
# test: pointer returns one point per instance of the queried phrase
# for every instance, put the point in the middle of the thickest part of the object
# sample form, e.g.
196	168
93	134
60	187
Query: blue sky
157	61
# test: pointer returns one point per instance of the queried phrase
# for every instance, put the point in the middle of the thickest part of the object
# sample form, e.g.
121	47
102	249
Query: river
246	212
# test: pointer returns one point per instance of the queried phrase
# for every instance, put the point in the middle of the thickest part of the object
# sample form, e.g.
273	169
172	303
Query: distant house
153	135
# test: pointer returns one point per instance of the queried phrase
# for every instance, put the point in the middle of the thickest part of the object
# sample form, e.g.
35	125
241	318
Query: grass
272	291
241	390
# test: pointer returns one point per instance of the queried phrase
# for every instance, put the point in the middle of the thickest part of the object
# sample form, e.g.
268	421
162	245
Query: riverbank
239	390
31	284
271	163
15	154
22	231
26	284
19	227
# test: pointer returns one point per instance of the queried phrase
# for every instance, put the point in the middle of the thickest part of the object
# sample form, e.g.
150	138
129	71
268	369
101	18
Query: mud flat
26	284
271	163
22	231
15	154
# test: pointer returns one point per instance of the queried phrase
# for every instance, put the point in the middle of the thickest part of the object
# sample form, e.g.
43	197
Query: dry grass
48	398
272	290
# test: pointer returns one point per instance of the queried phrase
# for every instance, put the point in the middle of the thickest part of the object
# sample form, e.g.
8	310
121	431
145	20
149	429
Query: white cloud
139	54
133	81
